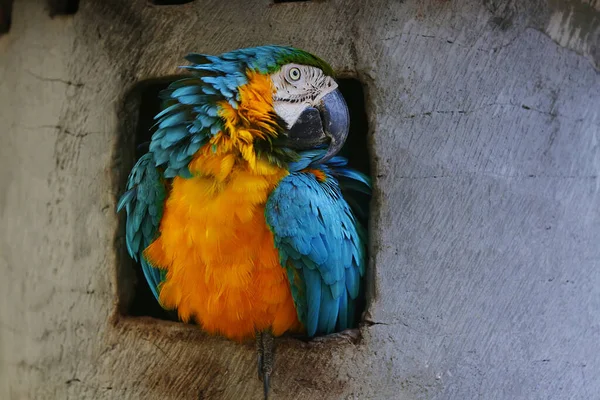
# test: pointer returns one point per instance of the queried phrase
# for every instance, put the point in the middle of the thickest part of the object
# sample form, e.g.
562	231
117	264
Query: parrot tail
265	347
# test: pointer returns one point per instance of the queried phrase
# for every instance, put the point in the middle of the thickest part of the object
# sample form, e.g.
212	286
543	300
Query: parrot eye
294	74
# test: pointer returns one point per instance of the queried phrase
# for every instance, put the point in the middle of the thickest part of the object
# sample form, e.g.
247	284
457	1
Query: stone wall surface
485	243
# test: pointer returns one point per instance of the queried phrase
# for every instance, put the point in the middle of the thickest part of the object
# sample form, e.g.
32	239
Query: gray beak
327	122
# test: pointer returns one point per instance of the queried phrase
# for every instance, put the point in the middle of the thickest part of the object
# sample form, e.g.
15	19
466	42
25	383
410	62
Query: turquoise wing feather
320	242
144	202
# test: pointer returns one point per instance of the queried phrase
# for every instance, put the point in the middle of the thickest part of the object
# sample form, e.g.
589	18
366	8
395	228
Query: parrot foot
265	347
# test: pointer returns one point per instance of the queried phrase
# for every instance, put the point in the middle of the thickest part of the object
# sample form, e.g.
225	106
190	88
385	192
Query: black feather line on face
313	83
297	98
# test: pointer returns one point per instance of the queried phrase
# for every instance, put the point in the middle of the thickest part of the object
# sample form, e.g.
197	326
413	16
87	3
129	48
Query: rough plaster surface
485	130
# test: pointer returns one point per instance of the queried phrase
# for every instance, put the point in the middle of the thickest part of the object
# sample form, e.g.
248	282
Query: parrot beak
336	121
327	122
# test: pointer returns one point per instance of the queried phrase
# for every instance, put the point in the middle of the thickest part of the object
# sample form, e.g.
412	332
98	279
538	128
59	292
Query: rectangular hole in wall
5	15
141	105
63	7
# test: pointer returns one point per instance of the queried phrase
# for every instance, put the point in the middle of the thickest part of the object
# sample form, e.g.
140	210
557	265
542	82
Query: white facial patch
297	87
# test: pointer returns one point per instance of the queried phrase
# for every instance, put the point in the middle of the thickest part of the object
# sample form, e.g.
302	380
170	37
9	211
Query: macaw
240	211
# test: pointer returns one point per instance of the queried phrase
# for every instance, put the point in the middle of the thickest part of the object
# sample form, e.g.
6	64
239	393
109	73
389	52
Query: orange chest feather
222	266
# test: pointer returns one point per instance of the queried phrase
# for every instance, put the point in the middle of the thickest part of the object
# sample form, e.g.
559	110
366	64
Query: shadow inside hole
147	96
63	7
355	150
5	15
290	1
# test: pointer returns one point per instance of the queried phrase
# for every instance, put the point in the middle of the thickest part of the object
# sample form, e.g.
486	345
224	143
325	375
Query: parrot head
314	110
268	102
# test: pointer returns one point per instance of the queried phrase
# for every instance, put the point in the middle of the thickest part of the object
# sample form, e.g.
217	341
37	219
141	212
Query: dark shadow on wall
5	15
63	7
169	2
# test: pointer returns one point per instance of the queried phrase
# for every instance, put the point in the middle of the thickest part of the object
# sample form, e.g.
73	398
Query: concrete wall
485	133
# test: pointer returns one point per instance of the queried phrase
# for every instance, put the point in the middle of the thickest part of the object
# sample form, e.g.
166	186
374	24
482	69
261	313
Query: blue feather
193	99
343	314
153	277
352	282
125	198
175	134
312	280
317	235
143	203
338	288
306	158
329	310
209	90
354	175
318	253
166	111
337	161
186	90
171	172
172	120
216	128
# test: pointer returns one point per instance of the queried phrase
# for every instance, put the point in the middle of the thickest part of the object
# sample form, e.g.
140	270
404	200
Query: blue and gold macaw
238	212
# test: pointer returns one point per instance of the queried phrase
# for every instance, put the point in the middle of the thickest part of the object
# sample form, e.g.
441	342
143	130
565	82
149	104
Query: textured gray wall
485	131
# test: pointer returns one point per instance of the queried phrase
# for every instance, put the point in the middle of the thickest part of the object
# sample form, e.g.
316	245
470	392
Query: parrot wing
321	244
144	202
